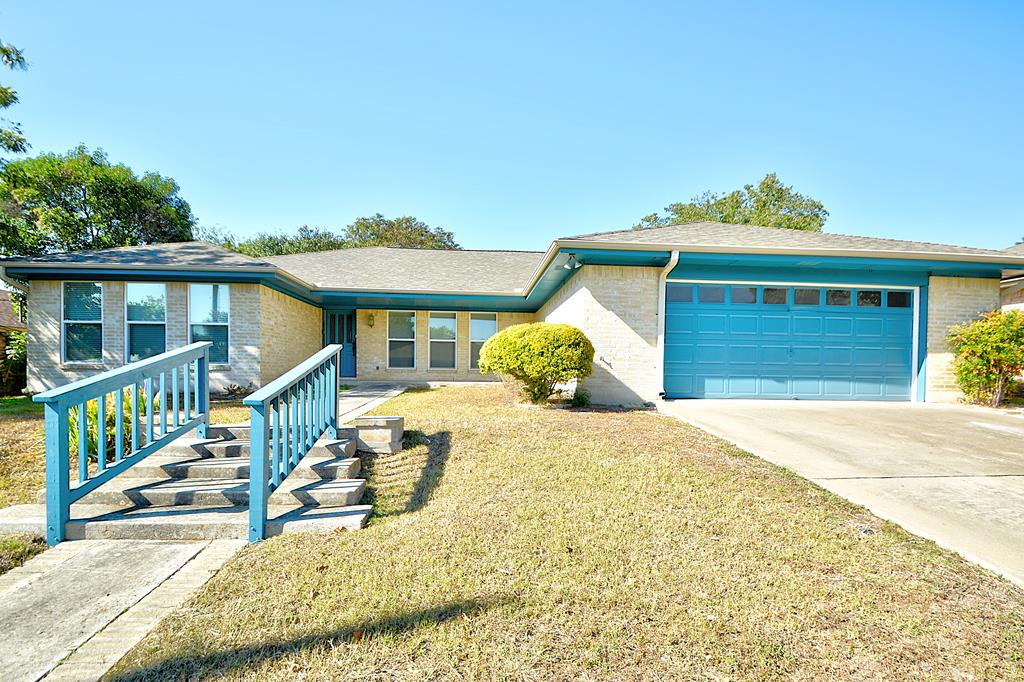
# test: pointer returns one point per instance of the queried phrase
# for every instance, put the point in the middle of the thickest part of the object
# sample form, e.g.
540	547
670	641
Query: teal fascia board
346	300
556	274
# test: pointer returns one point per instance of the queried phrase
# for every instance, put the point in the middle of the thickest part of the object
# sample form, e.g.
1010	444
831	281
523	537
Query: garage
784	341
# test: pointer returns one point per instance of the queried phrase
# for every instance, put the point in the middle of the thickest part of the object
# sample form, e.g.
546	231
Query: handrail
69	406
286	418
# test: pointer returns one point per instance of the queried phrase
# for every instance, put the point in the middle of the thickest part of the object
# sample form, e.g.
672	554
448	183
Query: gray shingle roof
1016	249
175	254
708	235
394	269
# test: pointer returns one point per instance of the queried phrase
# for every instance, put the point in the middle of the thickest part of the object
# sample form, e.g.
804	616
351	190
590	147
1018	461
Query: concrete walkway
363	397
75	610
950	473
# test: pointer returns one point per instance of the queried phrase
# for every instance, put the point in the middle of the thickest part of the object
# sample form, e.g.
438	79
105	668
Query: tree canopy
11	139
769	203
375	230
80	200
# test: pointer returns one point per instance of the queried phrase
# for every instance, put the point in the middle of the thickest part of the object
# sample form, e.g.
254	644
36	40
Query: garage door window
869	299
898	299
837	297
680	293
744	294
776	296
807	296
712	294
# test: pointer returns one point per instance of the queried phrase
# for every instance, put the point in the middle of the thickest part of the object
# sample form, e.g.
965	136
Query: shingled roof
395	269
709	235
172	254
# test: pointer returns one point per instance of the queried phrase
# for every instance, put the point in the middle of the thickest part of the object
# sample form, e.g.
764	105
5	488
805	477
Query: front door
340	327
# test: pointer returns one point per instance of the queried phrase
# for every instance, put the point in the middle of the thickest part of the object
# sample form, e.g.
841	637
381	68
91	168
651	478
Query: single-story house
685	311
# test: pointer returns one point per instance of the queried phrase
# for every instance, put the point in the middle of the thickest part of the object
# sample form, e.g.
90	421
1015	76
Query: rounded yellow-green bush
539	356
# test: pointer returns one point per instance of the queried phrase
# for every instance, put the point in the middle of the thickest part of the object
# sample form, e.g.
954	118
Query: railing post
258	473
334	366
203	392
58	478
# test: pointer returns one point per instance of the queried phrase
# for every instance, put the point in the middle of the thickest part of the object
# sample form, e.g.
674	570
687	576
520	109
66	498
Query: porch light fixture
369	320
572	263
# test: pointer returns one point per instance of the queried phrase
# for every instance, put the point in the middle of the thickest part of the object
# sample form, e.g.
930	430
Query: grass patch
15	550
552	545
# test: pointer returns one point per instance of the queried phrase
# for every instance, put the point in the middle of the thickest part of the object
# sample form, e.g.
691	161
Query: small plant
580	397
538	356
110	432
234	391
989	353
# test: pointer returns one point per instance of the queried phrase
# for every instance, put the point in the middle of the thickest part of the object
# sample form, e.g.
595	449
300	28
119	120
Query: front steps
198	489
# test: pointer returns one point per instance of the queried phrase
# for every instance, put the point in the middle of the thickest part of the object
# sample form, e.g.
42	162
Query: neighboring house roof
197	255
396	269
8	319
710	236
1017	249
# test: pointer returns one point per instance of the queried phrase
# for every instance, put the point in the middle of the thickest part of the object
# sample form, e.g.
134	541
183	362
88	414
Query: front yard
514	543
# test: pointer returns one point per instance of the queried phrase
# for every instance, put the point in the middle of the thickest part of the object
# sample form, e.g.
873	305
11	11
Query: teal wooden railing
287	416
174	384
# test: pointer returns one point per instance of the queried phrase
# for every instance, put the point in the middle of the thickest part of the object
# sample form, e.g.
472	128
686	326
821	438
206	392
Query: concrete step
219	492
215	447
89	522
320	463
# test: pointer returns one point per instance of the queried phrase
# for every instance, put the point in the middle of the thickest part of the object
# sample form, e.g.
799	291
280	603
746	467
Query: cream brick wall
951	301
45	369
617	308
1012	298
291	331
372	344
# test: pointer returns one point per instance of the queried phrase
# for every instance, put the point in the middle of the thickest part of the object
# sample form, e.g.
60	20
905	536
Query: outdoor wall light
572	263
369	320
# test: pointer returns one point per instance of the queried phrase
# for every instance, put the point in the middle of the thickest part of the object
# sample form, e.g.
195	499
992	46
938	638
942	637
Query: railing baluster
119	425
174	396
163	404
186	370
150	411
296	427
58	478
286	447
258	492
203	392
101	433
276	461
83	441
136	424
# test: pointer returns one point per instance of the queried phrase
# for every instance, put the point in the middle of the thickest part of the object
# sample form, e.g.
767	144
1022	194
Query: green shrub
92	429
989	353
580	397
12	365
539	356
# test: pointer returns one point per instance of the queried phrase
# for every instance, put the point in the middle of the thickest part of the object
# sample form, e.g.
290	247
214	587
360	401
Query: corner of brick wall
952	301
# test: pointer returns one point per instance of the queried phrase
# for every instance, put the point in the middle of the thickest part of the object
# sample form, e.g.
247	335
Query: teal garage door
806	342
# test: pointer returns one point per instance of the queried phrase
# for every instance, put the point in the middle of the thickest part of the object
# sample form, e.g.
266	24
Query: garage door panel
717	348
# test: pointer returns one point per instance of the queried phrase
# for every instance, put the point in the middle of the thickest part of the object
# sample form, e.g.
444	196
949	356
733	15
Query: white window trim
469	349
415	324
189	323
455	341
63	324
127	323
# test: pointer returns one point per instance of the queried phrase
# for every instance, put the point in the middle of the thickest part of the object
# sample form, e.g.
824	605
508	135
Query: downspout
672	261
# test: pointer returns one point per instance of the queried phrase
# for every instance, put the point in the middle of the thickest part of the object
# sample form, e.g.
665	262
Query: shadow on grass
203	666
403	482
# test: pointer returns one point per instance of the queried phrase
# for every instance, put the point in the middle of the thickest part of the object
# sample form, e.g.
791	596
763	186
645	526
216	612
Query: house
1012	294
685	311
9	322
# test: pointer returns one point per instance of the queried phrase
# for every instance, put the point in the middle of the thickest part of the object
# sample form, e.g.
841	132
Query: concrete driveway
950	473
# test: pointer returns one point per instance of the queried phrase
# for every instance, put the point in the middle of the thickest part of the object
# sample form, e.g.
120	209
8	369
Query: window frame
190	324
388	339
430	342
128	323
64	322
469	356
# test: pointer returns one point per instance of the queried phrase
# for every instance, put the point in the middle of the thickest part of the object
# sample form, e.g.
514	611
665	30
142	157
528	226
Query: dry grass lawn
528	544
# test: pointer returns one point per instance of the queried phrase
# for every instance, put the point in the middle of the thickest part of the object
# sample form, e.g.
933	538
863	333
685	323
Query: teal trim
61	403
786	266
556	274
922	344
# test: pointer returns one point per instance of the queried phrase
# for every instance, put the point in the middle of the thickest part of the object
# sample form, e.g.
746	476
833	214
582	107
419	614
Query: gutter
662	278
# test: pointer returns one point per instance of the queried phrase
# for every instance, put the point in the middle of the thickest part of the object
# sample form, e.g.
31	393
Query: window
442	340
744	294
869	299
145	315
807	296
838	297
898	299
482	326
679	293
710	293
401	340
209	319
82	322
775	296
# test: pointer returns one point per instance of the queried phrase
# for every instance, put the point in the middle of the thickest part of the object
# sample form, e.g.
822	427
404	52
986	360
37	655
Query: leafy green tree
373	231
769	203
79	200
405	232
11	139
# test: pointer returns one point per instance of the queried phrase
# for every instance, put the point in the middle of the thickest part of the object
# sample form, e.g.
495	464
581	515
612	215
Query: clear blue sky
515	126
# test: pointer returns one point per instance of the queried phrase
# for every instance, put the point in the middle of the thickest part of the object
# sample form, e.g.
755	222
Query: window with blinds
146	319
209	311
82	322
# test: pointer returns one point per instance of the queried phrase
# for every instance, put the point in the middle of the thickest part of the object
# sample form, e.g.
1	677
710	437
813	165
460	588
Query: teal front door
340	327
736	340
